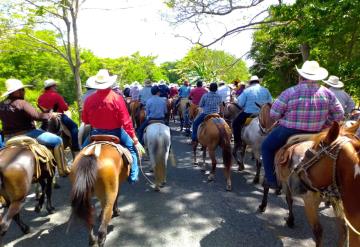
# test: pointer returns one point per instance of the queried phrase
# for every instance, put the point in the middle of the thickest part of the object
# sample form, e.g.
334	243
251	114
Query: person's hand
140	148
54	114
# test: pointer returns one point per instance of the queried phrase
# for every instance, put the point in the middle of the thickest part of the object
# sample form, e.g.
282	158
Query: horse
213	132
98	170
231	111
193	110
134	108
157	139
335	155
182	111
253	135
17	171
170	107
140	116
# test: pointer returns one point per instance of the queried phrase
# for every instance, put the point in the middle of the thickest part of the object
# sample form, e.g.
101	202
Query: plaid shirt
307	106
210	102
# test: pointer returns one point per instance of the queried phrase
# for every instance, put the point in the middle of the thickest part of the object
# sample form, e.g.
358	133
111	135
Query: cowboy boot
63	169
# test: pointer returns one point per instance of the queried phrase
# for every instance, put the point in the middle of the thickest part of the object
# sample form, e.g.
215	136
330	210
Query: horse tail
225	143
85	178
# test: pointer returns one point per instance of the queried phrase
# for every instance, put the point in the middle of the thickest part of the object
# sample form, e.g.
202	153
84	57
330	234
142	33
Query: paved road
188	212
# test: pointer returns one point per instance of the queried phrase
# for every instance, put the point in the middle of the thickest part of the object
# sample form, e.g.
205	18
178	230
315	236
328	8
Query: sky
114	28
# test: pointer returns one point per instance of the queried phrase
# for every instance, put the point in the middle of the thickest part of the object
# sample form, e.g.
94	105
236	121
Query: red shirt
173	92
50	98
196	94
105	109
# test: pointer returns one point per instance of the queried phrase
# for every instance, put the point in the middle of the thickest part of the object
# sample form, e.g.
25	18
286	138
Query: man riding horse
18	116
210	103
155	110
249	100
305	108
197	93
50	99
106	112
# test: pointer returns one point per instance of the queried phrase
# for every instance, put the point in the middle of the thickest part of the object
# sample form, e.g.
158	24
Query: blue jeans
198	120
73	128
141	129
127	142
2	140
237	125
45	138
273	142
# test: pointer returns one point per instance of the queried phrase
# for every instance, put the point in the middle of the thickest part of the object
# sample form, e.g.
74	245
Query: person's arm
84	113
32	112
62	106
241	101
279	107
124	118
350	104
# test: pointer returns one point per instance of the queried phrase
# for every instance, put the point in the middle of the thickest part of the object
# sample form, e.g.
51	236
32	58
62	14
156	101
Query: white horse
158	141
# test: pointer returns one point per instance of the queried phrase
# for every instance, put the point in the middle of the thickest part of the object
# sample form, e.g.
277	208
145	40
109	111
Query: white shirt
224	91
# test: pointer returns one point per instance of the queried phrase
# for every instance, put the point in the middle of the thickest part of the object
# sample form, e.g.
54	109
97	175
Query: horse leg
13	210
157	177
203	166
242	157
194	153
342	231
48	191
38	207
257	175
92	236
116	210
311	205
289	200
262	206
24	228
227	173
213	164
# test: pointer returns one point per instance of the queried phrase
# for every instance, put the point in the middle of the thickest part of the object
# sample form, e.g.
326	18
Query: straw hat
311	70
102	80
254	78
49	83
334	81
13	85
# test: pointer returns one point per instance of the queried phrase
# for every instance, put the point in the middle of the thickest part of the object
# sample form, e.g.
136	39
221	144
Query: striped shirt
251	95
210	103
307	106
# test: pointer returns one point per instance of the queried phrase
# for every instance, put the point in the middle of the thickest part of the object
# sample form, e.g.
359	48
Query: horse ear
223	103
257	104
353	128
333	133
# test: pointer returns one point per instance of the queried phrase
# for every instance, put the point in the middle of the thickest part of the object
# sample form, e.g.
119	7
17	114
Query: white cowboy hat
135	84
49	83
90	82
254	78
102	80
334	81
311	70
13	85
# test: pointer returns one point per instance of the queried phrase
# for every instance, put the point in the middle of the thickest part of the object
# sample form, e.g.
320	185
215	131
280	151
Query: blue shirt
252	94
184	91
155	107
145	94
210	102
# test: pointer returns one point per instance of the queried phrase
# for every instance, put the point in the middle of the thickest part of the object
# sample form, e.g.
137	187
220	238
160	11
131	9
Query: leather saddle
105	138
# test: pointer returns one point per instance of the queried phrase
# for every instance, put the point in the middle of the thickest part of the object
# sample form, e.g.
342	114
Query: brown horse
213	132
230	112
134	108
17	170
335	155
193	110
140	116
98	170
171	108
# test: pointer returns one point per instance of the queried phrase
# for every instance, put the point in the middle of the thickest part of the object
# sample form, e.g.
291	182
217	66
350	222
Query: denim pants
127	142
198	120
237	125
73	128
273	142
45	138
141	129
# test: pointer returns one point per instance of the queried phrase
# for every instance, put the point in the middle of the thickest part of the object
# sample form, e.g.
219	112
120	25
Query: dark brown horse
17	168
134	108
98	170
213	132
332	168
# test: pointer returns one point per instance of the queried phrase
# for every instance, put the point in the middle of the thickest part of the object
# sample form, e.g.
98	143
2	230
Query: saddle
42	154
248	120
284	154
214	115
98	140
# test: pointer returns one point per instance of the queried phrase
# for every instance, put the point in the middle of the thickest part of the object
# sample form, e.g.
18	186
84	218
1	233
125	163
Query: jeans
272	143
141	129
198	120
73	128
237	125
45	138
127	142
2	144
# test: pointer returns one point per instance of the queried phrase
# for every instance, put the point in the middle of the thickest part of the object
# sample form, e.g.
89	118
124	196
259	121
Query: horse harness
331	192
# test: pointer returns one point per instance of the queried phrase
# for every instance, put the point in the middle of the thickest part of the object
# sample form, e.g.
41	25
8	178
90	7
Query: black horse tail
85	178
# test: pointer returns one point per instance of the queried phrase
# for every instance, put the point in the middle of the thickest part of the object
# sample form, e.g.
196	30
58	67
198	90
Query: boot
63	169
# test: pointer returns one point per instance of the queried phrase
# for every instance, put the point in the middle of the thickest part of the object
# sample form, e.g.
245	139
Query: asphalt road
188	212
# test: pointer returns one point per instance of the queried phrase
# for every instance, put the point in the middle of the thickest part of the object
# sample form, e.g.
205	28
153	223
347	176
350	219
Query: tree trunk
305	51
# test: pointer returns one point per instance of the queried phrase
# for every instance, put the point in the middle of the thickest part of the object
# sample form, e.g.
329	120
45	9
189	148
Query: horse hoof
261	208
157	189
290	222
228	188
196	163
26	229
241	167
278	191
50	210
37	209
162	185
210	178
57	186
256	180
116	213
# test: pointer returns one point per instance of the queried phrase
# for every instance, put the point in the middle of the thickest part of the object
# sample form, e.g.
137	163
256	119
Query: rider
224	91
336	86
184	92
145	92
247	100
17	116
106	112
135	91
173	91
197	93
305	108
50	99
155	110
89	90
164	89
210	103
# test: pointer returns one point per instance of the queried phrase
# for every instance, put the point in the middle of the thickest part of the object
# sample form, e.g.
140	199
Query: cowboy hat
89	82
102	80
147	82
135	84
311	70
49	83
254	78
13	85
334	81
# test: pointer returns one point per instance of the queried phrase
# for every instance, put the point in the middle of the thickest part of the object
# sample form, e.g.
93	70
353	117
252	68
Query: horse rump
85	178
